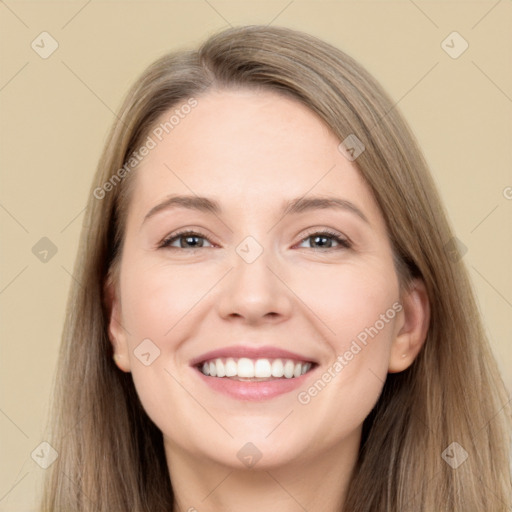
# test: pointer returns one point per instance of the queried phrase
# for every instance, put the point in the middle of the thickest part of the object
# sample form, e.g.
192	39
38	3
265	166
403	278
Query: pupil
319	238
189	238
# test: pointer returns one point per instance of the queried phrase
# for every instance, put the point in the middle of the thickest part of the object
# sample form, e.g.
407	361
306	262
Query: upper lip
260	352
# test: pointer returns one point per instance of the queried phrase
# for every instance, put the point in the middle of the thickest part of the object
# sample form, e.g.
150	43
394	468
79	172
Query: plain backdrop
56	111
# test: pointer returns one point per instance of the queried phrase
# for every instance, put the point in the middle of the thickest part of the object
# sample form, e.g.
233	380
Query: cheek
156	298
350	300
359	308
157	304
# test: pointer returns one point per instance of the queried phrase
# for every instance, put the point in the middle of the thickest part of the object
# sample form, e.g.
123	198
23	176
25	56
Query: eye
186	239
324	240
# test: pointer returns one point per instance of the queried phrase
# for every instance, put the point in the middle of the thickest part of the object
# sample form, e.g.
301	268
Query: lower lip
246	390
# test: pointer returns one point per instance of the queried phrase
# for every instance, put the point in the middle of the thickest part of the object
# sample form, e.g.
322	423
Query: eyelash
326	233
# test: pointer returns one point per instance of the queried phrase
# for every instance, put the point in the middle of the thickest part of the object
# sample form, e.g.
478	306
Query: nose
255	292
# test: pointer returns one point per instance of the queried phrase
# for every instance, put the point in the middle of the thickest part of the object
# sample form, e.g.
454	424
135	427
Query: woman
267	315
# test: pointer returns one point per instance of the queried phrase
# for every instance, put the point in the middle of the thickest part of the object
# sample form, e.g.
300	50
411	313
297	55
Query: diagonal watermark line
280	423
13	217
165	165
72	276
78	422
13	423
217	486
19	472
307	192
279	13
14	76
485	426
413	499
494	288
80	80
485	15
122	326
79	488
492	81
424	14
8	492
13	13
286	490
73	219
498	498
417	83
13	279
484	218
404	95
376	376
75	15
200	404
198	301
301	300
218	13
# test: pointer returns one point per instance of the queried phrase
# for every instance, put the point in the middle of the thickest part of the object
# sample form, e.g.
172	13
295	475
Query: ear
412	334
116	331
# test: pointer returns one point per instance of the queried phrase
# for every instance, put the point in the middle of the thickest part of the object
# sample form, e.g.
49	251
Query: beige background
56	112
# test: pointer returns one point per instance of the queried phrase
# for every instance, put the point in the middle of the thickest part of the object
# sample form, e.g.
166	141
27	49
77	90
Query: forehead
247	147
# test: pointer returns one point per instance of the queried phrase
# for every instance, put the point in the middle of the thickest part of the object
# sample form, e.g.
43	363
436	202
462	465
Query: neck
314	484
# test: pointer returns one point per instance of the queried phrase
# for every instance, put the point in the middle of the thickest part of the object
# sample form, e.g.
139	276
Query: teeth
221	369
262	368
289	367
277	368
231	368
246	368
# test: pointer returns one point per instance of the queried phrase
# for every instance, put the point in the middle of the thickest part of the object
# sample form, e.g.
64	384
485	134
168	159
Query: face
236	283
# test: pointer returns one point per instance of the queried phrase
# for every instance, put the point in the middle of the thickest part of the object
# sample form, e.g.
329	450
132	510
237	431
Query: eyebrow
292	206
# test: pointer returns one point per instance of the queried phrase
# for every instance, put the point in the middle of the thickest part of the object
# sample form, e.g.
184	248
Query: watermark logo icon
454	455
454	45
249	249
351	147
44	455
249	455
44	45
455	249
44	250
146	352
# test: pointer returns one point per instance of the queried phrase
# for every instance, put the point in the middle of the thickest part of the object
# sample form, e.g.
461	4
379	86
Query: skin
250	150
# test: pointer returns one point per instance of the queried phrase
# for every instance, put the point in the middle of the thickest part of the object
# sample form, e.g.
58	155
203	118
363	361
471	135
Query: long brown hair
111	455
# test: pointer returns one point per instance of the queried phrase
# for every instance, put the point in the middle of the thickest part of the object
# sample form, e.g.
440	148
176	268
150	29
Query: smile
254	373
246	369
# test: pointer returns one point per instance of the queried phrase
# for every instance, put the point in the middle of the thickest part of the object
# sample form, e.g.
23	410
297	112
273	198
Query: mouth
253	373
245	369
256	380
